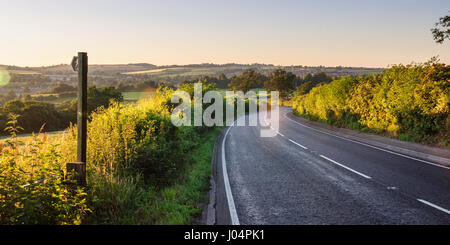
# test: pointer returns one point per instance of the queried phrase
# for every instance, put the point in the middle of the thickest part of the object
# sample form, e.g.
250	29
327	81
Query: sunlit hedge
130	147
411	101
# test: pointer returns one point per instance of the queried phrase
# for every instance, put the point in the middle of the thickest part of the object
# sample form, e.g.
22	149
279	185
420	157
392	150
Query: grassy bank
141	169
129	200
181	202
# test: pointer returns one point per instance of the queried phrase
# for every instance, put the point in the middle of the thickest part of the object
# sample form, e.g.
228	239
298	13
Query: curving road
304	176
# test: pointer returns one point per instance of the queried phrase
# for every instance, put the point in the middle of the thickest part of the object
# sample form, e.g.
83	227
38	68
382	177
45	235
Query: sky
280	32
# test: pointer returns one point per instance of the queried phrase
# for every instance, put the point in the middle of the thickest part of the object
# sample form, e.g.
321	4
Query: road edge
368	139
208	216
213	207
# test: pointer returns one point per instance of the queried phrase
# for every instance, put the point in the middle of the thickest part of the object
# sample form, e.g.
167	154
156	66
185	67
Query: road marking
352	170
304	147
378	148
278	132
434	206
231	206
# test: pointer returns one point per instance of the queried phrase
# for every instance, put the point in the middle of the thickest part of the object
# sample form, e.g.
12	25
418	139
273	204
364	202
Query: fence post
78	169
82	106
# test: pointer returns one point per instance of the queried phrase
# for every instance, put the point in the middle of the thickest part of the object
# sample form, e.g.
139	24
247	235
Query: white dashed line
304	147
278	132
378	148
352	170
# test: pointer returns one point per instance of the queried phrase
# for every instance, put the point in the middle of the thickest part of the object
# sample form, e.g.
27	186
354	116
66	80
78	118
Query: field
131	97
143	72
128	97
51	135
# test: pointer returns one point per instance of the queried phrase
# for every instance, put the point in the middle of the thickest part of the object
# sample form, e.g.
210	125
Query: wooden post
82	107
76	171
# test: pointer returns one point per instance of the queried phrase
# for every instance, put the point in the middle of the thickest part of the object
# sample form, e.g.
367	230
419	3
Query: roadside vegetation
409	102
141	169
46	116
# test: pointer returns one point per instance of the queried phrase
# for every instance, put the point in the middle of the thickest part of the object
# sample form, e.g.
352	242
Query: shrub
412	99
31	184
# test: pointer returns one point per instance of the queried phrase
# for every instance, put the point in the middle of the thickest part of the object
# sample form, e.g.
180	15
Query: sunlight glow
4	77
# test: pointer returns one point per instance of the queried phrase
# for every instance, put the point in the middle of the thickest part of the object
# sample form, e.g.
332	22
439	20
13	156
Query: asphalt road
303	176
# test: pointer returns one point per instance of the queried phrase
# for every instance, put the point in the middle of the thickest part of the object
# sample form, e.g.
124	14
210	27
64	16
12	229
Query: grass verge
180	204
130	201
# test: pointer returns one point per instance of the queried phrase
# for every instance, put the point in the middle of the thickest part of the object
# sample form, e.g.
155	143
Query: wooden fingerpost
78	169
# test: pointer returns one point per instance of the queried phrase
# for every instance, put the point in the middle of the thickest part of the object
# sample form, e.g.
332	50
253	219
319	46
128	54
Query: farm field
27	136
127	97
131	97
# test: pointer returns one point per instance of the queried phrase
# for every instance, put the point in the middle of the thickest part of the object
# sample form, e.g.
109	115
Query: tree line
278	80
34	116
39	113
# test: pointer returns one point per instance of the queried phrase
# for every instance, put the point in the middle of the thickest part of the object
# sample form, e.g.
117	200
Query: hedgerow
411	101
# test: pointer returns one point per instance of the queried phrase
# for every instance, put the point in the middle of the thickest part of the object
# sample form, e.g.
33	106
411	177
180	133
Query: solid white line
381	149
434	206
304	147
232	208
278	132
354	171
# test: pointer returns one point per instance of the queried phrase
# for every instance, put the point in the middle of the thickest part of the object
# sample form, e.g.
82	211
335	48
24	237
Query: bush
412	99
137	162
31	184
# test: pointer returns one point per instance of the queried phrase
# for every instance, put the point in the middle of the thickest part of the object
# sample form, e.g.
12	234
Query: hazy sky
330	33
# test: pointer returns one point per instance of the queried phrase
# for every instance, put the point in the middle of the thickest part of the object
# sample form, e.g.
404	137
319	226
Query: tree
100	97
249	79
61	88
281	81
304	88
321	77
145	85
33	115
442	30
222	76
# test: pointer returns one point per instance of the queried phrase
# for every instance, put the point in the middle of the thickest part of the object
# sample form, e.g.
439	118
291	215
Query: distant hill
191	70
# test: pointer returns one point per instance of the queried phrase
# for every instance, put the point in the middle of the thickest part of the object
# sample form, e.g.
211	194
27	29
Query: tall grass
134	152
141	169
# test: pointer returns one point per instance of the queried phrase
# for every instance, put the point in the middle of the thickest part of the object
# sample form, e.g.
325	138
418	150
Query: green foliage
189	87
408	137
412	100
248	80
221	81
281	81
141	169
140	86
134	151
442	30
31	185
309	81
34	116
62	88
100	98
